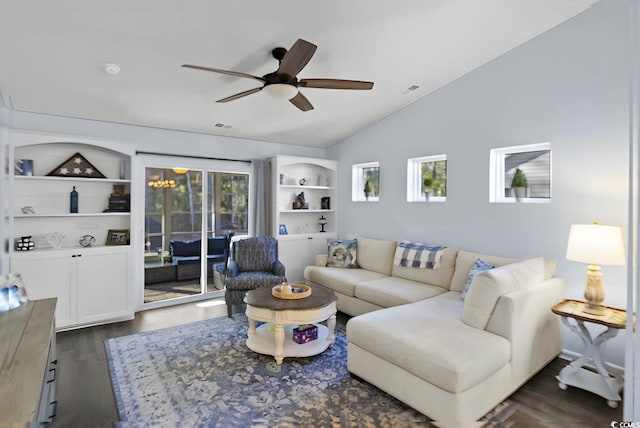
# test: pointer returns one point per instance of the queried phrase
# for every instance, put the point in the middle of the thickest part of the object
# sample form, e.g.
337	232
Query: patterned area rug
202	374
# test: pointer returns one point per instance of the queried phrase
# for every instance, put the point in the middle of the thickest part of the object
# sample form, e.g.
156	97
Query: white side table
608	380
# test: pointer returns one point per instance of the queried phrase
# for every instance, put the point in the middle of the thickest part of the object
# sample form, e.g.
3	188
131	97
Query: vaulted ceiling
52	56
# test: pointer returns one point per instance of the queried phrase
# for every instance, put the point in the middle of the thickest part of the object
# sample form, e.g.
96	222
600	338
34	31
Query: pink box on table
305	333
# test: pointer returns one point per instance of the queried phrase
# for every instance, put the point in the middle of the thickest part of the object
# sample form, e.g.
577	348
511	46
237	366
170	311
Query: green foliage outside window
371	178
434	177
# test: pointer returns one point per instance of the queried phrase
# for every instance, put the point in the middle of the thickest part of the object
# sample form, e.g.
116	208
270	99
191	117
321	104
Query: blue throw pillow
478	266
342	253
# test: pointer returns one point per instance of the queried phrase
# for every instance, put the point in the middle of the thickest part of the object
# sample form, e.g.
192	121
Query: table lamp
595	244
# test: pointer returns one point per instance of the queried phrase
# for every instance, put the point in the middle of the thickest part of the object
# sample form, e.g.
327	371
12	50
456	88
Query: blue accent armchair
254	263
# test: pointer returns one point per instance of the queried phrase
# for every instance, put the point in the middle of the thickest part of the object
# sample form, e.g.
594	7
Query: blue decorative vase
73	201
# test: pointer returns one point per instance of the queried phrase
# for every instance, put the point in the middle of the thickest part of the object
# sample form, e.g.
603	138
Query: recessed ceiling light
110	68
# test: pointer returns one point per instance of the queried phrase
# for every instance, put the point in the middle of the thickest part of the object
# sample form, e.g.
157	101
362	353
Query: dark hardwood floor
85	397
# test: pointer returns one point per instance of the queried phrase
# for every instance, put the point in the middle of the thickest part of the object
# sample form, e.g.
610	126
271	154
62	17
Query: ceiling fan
283	82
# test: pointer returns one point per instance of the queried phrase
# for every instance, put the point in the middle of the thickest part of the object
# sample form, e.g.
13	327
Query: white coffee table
282	316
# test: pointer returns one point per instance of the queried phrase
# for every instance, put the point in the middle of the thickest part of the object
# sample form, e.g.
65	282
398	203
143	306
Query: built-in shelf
297	186
72	215
70	178
301	211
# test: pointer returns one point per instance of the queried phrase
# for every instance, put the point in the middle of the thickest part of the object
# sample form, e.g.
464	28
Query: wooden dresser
28	364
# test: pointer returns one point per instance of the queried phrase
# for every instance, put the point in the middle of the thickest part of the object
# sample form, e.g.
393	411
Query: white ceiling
52	53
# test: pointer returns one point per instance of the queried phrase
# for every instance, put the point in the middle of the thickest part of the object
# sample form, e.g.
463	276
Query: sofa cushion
428	339
440	277
376	255
392	291
185	248
478	266
342	253
217	245
489	285
341	280
464	263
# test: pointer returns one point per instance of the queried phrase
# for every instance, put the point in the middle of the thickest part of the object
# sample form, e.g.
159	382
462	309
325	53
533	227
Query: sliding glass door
172	230
181	247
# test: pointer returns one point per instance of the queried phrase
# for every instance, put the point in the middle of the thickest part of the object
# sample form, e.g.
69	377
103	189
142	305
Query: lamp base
593	291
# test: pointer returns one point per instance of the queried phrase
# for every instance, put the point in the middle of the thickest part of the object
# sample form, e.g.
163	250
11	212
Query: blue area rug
202	374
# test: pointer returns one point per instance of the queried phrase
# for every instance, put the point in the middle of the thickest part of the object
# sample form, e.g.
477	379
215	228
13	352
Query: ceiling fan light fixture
283	91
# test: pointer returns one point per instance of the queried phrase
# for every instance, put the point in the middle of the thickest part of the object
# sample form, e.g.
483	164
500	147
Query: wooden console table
28	364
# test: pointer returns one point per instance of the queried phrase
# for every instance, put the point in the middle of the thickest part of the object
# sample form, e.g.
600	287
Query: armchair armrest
232	269
278	268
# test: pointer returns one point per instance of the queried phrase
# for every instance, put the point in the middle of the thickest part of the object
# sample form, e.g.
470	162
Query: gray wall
569	87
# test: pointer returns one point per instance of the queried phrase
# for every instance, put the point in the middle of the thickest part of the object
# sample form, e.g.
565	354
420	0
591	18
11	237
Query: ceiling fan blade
240	95
301	102
230	73
297	57
335	84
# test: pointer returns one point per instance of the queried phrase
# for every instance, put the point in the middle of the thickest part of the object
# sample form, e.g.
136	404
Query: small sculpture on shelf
300	203
323	222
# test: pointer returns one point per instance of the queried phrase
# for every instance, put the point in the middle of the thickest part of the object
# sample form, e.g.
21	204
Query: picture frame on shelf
282	230
117	237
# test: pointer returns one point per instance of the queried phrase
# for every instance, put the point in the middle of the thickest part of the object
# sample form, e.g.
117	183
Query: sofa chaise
413	336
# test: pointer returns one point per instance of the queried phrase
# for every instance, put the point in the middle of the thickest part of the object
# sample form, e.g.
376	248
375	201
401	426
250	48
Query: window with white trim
365	181
520	174
427	179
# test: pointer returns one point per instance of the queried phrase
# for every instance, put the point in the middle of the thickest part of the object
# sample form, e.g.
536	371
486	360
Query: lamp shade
281	90
596	244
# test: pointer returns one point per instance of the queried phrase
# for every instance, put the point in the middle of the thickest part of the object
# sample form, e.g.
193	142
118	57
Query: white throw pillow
489	285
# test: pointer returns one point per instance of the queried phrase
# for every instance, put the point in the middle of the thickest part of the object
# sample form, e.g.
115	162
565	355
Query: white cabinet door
318	245
299	251
292	252
102	286
48	275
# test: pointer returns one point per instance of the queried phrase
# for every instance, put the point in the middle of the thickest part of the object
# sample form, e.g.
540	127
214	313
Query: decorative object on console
300	203
282	230
28	210
23	167
73	201
304	181
87	240
24	243
76	166
595	244
117	237
323	222
342	253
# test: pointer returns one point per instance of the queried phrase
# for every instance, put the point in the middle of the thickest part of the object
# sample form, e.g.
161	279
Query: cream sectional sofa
414	337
